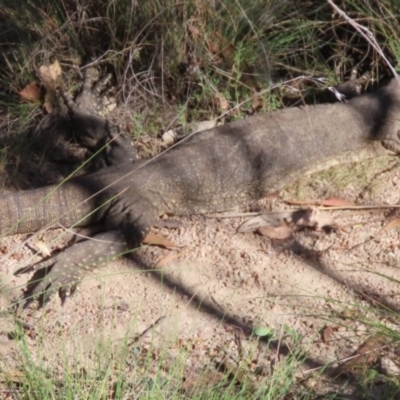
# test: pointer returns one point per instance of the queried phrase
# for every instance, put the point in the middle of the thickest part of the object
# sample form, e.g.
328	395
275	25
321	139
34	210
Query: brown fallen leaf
193	29
157	240
31	91
222	102
327	333
393	224
164	261
257	101
366	354
49	77
336	202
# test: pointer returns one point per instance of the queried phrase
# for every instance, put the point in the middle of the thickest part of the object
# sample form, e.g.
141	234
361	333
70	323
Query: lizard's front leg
65	270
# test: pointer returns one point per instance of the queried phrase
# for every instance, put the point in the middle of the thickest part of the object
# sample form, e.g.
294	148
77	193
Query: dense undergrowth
200	57
174	62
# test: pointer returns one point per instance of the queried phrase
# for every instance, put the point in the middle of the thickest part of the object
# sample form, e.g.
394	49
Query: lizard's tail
31	210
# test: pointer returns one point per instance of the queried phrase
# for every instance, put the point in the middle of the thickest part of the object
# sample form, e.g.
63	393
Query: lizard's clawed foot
105	140
84	132
66	269
92	98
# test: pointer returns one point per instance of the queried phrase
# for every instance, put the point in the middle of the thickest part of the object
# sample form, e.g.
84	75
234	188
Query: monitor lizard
217	170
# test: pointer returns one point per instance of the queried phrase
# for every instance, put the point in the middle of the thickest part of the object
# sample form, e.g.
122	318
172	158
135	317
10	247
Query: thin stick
301	207
367	35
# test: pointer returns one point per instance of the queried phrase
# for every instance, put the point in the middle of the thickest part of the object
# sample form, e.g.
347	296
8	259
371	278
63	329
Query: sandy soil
318	289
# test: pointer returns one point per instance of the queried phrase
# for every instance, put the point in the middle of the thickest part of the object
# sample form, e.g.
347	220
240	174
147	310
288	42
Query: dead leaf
257	101
164	261
393	224
336	202
31	91
327	333
49	76
276	232
366	354
157	240
194	30
222	102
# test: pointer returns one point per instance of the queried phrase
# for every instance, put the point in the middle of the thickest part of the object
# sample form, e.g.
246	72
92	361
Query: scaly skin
217	170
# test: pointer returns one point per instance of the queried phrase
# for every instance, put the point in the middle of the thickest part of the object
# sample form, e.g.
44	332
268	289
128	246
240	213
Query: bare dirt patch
319	289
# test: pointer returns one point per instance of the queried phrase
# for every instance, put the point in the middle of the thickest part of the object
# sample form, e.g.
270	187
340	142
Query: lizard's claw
84	131
91	129
91	99
65	270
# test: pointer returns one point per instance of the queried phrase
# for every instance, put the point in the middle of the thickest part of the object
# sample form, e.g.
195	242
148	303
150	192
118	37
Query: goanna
216	170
